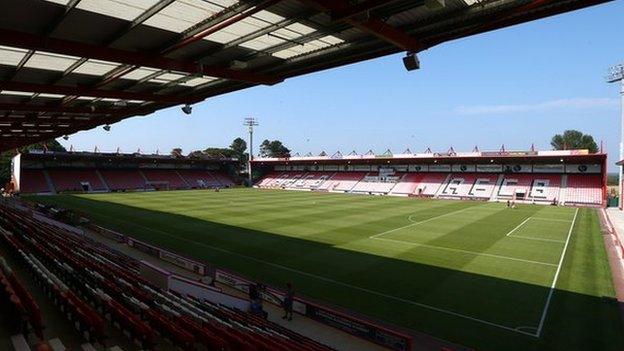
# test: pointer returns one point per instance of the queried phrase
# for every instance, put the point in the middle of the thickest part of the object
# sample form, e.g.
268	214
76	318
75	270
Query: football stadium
229	249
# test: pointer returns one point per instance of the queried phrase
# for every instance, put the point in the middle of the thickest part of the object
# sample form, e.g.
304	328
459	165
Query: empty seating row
584	190
20	305
469	185
534	187
580	189
94	283
74	180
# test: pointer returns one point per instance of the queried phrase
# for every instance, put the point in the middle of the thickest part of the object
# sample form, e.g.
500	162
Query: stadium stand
407	184
34	181
123	180
169	177
470	185
583	189
311	180
574	177
541	187
93	284
430	184
375	183
223	179
198	179
343	181
49	172
76	180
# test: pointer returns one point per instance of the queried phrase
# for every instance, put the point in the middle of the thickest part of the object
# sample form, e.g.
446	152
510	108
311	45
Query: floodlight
107	127
65	137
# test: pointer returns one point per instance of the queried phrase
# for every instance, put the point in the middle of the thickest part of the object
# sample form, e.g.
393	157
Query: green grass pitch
475	273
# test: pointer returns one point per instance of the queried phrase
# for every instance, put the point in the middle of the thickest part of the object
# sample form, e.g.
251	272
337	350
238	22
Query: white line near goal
538	333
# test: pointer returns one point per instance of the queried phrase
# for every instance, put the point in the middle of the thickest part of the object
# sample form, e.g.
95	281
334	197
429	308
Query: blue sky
514	86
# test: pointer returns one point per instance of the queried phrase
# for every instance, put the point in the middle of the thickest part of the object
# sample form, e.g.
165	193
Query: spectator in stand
288	302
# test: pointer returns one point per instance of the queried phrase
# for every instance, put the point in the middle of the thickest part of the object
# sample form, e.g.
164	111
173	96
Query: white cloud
560	104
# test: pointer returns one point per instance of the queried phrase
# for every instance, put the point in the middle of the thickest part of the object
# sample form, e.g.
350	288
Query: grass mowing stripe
554	282
420	222
466	251
321	242
333	281
518	227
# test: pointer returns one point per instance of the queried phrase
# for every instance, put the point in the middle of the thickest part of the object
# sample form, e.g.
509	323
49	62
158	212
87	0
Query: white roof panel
183	14
170	76
62	2
198	81
54	96
11	56
50	61
308	47
16	93
96	67
124	9
139	73
262	42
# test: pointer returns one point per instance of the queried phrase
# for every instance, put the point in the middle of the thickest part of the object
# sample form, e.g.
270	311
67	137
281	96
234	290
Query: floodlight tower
616	74
250	122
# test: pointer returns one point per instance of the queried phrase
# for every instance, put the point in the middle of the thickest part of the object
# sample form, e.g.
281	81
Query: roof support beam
357	9
372	26
83	91
97	111
189	39
36	42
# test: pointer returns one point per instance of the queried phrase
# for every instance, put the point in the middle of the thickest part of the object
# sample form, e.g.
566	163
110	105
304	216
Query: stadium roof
71	65
482	157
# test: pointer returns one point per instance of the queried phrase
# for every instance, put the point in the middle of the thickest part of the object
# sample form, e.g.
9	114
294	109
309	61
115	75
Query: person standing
288	302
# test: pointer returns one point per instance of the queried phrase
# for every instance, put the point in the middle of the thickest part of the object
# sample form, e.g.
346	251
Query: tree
273	148
5	157
574	139
196	154
238	146
217	152
176	152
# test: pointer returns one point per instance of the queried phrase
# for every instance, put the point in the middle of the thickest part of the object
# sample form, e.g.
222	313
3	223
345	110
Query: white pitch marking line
417	223
518	226
373	292
467	252
552	219
554	282
537	239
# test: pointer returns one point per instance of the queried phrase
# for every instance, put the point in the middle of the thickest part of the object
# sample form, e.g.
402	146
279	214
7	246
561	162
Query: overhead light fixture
187	109
411	62
107	127
65	137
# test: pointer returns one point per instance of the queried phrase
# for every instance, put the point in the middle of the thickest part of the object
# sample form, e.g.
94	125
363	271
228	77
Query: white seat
87	347
19	343
56	344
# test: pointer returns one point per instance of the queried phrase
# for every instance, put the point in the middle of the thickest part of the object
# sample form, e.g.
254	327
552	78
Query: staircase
499	182
101	178
562	190
48	180
442	186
